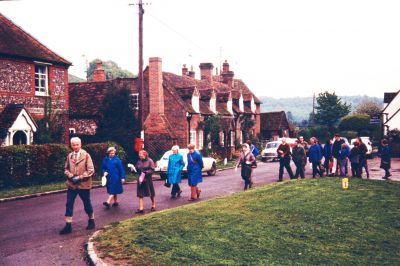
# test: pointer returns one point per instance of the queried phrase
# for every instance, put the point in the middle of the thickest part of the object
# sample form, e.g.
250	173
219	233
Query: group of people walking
79	170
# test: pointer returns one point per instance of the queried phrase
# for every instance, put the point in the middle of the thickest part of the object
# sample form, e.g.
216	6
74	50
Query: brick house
30	75
175	105
274	125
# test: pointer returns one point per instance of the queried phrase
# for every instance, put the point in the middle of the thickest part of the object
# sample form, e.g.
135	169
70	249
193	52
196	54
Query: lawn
305	222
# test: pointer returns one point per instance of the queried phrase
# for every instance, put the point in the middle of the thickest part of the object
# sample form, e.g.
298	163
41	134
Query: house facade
176	107
31	77
391	112
274	125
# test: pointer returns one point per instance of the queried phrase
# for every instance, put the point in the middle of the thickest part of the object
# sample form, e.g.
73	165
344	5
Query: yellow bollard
345	183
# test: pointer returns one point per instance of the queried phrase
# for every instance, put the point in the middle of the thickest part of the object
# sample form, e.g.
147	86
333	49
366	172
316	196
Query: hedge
23	165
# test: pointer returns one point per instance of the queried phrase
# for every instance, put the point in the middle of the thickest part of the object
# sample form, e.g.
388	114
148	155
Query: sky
279	48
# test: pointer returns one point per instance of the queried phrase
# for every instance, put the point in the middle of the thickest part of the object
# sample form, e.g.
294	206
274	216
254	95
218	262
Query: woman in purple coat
115	173
194	166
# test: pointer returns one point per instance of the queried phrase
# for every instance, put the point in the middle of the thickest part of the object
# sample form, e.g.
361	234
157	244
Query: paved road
29	228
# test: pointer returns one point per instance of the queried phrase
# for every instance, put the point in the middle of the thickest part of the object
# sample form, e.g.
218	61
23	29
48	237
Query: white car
270	152
367	143
210	164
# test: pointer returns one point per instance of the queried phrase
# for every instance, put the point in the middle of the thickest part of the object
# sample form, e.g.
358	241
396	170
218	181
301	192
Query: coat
194	166
146	188
384	152
246	161
344	153
298	154
116	173
328	151
315	153
175	166
83	168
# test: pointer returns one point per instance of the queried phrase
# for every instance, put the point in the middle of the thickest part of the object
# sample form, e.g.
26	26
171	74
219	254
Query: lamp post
188	118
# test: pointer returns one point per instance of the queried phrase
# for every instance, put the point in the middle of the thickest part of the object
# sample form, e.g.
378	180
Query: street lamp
188	118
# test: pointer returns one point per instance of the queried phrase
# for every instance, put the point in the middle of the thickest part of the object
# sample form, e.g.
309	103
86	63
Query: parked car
210	164
270	150
366	141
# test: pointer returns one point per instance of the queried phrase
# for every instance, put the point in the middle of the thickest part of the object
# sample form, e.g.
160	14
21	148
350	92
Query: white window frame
192	139
201	139
134	101
72	130
222	138
40	77
232	138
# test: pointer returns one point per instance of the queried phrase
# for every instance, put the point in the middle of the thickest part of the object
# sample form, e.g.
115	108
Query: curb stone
94	259
64	190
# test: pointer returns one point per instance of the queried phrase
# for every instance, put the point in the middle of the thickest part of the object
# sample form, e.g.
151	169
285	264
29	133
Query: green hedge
24	165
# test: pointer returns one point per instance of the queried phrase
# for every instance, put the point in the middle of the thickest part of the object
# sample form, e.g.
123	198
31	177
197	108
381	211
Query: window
222	138
72	130
193	138
213	105
201	139
41	80
229	106
232	139
134	101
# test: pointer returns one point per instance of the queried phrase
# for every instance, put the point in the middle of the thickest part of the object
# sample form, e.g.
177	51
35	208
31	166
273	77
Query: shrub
24	165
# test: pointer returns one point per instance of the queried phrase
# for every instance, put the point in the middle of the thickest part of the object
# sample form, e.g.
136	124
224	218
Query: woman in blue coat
315	156
115	173
194	166
328	156
175	166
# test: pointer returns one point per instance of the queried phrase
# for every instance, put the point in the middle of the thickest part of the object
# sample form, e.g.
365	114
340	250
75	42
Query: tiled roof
185	93
15	42
238	84
389	96
205	108
8	117
273	121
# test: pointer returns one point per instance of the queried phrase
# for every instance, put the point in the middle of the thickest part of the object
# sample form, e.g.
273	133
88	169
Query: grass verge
34	189
305	222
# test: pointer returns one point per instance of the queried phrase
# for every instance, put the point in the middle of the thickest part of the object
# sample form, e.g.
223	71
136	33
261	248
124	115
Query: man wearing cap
79	170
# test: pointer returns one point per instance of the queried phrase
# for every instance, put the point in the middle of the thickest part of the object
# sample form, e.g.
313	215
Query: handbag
103	180
141	177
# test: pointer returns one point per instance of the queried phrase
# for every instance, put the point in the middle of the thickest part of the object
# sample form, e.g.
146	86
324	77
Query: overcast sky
279	48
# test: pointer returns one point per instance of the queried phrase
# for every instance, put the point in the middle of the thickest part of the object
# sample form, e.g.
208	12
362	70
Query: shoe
191	199
173	196
179	193
198	193
139	211
91	225
153	209
115	204
67	229
106	204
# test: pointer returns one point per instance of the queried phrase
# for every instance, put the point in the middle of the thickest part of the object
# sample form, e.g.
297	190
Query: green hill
301	107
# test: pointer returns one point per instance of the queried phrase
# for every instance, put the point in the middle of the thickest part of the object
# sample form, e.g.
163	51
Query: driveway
29	228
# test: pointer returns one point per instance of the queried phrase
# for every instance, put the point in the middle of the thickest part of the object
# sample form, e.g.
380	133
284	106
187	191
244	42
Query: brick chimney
191	73
99	74
184	70
206	70
225	67
227	76
156	91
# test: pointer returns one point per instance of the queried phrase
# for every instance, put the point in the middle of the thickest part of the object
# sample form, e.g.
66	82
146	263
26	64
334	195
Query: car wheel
163	176
213	170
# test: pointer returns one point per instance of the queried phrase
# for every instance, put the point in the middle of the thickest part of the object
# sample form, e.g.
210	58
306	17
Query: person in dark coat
145	188
111	167
315	156
298	155
304	144
174	172
327	153
194	166
284	159
354	158
363	157
385	153
343	158
245	161
336	146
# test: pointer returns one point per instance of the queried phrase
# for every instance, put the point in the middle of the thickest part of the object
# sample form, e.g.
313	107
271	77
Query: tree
111	69
330	109
289	116
368	107
212	128
358	123
118	122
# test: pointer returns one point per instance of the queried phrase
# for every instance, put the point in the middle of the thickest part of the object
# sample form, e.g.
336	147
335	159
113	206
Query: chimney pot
99	74
206	71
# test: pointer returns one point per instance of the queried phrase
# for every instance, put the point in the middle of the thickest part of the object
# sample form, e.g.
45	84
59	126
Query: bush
349	134
24	165
32	164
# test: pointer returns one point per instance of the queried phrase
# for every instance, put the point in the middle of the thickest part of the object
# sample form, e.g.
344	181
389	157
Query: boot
67	229
91	225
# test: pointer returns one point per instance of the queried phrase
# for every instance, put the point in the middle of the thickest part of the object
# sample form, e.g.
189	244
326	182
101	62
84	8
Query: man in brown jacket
79	170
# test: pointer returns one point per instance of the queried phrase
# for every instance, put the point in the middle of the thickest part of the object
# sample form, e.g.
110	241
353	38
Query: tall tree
112	69
330	109
118	122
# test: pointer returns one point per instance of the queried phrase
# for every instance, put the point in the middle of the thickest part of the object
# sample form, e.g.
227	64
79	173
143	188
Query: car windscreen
272	145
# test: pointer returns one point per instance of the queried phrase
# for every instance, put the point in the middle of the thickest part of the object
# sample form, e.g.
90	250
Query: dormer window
241	105
213	103
41	80
229	105
196	101
253	105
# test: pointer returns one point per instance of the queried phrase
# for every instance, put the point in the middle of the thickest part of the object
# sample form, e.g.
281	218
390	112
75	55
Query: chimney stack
184	70
206	70
99	74
225	67
191	73
156	92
